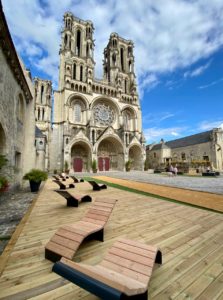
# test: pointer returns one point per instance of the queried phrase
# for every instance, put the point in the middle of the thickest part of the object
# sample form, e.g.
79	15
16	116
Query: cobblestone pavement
13	206
206	184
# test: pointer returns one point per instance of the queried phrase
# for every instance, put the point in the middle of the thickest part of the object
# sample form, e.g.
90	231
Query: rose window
104	114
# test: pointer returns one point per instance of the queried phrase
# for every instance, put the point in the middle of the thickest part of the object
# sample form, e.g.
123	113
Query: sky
178	48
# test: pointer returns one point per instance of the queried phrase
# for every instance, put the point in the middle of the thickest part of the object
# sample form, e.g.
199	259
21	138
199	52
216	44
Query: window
17	159
126	121
206	157
183	156
20	109
81	73
154	154
74	71
122	59
78	48
41	96
77	112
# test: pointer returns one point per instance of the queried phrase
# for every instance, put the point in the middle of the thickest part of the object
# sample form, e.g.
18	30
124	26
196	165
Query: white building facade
95	119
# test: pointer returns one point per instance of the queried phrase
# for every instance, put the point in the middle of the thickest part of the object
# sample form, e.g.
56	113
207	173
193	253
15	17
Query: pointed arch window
78	46
81	73
20	109
122	59
74	70
77	112
127	121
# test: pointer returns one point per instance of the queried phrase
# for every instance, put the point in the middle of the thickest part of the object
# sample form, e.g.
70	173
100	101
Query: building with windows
197	149
92	118
17	123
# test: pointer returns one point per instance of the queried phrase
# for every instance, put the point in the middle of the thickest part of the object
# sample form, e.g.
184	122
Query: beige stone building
43	116
17	123
202	147
95	119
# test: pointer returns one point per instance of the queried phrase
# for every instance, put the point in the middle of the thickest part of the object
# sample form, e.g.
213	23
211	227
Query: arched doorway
135	155
110	155
81	157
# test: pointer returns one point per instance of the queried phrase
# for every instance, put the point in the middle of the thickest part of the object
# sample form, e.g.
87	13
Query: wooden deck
191	241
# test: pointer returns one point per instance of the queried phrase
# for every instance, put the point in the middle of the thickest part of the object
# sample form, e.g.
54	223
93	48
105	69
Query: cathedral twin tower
92	119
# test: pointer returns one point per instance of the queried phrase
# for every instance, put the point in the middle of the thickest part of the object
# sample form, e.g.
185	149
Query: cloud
198	71
155	134
157	118
168	35
210	84
208	125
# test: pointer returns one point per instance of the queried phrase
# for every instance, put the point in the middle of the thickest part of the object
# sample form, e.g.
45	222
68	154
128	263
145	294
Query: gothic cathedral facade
95	119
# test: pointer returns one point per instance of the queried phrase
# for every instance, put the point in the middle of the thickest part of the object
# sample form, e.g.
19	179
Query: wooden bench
73	200
68	238
124	273
64	186
76	180
96	186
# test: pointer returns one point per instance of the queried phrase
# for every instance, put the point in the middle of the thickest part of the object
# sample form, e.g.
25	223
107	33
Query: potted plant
35	177
128	165
94	166
4	184
66	169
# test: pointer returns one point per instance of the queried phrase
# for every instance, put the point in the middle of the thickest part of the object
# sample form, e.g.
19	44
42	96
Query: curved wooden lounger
76	180
124	273
68	238
96	186
63	186
73	200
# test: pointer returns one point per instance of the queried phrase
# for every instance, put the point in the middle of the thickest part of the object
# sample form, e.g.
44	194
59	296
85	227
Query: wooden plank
96	216
131	256
125	271
127	263
59	249
70	235
73	245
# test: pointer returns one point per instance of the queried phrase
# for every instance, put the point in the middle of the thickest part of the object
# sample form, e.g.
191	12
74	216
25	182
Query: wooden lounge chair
56	177
96	186
64	186
68	238
124	273
76	180
73	200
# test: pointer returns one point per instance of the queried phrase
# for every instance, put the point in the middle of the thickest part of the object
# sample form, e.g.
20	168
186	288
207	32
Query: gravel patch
13	206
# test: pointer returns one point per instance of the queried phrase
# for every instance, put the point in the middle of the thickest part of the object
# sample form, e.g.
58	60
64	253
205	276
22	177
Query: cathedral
93	119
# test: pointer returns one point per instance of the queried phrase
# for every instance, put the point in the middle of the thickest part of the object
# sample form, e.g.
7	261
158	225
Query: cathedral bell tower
119	65
76	54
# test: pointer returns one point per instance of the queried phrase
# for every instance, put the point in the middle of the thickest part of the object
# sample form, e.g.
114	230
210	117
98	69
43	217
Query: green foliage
36	175
4	184
94	165
128	165
65	165
3	161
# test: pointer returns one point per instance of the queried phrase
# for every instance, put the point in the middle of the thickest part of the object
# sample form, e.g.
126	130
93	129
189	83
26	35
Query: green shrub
4	184
94	165
36	175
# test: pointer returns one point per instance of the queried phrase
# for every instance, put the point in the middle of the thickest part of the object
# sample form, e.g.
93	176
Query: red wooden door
107	163
78	165
100	163
103	163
